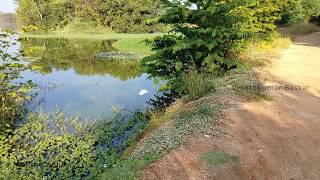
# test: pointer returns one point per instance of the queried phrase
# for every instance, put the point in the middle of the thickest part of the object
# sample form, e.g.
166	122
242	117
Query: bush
13	92
53	147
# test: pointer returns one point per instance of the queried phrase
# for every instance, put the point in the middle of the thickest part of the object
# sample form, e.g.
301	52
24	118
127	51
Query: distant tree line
116	15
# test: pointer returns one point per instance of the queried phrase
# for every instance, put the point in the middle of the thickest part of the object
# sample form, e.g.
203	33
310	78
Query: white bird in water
143	92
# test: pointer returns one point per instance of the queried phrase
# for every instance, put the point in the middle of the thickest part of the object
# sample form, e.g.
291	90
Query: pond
74	80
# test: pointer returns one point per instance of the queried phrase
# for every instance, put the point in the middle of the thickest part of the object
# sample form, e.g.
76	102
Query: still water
71	78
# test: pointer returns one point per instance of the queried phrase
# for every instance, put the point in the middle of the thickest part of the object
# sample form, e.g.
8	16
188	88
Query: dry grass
261	53
301	28
160	117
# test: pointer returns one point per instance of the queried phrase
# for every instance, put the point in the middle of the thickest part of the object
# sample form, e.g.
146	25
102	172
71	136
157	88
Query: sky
7	6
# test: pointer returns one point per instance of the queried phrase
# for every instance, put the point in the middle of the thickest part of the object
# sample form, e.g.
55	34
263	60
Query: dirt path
278	139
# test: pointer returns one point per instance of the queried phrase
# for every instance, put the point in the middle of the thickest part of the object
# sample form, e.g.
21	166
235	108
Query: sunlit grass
263	52
134	45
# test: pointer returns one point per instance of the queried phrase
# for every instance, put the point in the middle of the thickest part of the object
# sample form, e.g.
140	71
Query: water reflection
79	55
84	84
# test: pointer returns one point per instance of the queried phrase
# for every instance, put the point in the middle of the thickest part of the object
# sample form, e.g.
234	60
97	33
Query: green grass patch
219	158
134	45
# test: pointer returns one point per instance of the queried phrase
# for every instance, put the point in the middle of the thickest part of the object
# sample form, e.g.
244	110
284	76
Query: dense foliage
296	11
208	35
48	147
13	92
119	15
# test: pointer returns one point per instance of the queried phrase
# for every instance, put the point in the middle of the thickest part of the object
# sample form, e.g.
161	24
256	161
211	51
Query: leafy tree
311	8
208	34
292	12
298	11
85	10
43	15
129	15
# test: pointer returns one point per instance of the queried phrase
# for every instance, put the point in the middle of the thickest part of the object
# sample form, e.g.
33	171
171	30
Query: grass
160	117
134	45
261	53
218	158
128	169
197	84
301	28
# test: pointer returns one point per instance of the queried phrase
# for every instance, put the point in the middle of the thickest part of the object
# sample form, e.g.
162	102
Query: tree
129	15
311	8
208	34
294	11
43	15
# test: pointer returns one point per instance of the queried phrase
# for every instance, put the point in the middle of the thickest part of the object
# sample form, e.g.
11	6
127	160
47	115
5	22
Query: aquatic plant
54	147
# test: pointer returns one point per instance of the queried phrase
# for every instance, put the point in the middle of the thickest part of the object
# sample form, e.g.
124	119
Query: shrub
53	147
310	8
13	92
